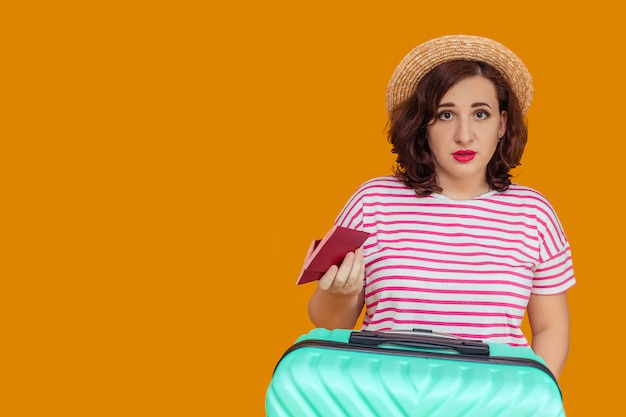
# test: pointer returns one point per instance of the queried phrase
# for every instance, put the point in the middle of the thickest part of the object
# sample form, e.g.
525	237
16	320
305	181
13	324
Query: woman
455	247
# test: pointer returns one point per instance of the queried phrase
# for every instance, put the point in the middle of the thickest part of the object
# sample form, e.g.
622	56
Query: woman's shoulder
527	196
524	191
384	181
384	184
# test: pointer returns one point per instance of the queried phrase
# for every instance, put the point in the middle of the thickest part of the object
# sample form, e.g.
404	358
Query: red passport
330	250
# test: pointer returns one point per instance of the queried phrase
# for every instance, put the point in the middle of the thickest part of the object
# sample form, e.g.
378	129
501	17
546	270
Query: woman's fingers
348	277
344	270
357	273
327	279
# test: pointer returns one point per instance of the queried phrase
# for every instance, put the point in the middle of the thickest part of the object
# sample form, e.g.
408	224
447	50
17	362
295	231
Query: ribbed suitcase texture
324	374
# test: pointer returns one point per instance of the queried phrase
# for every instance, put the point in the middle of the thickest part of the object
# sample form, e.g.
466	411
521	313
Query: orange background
165	165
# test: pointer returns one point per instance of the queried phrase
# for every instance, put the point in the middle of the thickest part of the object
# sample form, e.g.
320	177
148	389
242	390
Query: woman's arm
549	322
339	297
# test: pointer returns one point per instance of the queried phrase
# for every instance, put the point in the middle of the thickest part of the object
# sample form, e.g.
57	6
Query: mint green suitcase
386	374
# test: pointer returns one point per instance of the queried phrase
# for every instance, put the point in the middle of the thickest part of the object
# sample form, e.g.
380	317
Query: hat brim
428	55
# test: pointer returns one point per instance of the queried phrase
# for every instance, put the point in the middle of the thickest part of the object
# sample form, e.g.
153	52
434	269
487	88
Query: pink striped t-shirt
465	268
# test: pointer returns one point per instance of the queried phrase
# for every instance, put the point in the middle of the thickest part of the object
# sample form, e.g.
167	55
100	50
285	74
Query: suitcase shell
352	373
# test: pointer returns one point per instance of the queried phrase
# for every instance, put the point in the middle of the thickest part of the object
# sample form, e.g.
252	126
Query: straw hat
429	54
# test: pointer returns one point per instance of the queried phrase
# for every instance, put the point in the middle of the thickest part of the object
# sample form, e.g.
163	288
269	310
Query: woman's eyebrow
478	104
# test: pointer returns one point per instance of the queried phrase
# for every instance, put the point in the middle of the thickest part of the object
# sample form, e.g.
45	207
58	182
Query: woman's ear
503	118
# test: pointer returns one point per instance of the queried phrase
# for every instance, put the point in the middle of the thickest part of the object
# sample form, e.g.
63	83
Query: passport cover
330	250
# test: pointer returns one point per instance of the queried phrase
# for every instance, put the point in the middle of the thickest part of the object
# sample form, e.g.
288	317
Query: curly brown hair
408	121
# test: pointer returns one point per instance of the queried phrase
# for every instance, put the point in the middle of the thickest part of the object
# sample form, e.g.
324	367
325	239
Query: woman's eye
481	114
445	115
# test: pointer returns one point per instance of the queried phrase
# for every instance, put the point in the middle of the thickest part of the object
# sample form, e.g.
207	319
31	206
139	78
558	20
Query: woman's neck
464	190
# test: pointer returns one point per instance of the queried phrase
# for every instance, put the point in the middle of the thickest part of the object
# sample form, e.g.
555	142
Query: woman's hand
346	279
339	296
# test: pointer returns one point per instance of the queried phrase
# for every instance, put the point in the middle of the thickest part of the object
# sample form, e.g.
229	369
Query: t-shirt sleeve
351	215
555	272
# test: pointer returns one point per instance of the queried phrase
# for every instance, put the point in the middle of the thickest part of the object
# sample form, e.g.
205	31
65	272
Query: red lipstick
464	155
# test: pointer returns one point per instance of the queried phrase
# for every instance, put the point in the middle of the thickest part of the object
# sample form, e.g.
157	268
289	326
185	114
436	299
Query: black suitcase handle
424	341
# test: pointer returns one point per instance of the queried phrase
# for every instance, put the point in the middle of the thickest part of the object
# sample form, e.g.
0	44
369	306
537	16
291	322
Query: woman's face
464	133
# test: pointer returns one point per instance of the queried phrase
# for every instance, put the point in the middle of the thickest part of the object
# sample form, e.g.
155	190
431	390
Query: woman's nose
463	132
